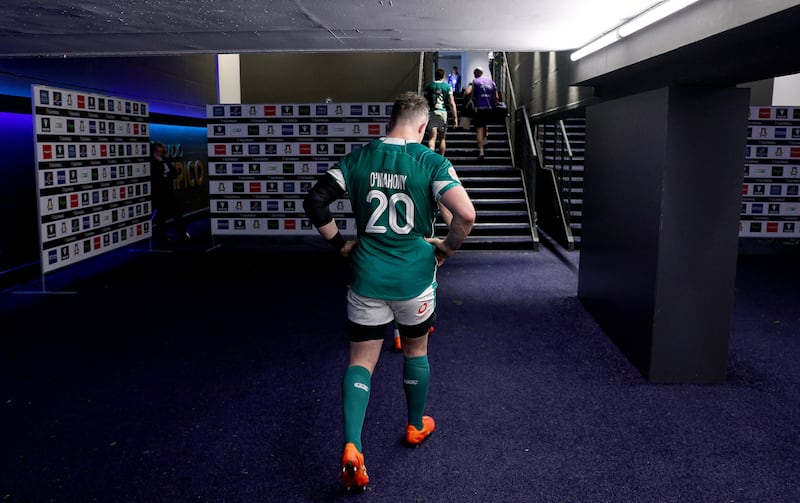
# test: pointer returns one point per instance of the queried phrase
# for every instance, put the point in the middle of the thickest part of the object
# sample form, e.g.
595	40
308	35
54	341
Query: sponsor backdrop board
92	173
770	198
263	158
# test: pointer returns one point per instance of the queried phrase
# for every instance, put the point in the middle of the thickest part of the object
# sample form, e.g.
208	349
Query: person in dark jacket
166	206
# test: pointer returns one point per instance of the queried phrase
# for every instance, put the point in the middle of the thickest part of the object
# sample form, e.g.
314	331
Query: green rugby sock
416	376
355	397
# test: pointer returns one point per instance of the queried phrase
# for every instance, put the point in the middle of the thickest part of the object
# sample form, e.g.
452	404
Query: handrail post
508	91
421	74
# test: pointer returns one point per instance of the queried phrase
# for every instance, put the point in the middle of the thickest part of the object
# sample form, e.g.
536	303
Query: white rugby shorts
375	312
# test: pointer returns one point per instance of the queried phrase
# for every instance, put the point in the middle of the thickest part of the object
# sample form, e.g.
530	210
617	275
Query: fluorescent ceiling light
607	39
649	17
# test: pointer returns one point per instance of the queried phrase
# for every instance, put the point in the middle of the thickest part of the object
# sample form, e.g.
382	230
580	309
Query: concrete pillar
659	242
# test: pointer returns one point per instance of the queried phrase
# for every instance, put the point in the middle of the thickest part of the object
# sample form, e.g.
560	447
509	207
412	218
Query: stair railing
527	152
523	143
506	88
544	196
563	167
549	206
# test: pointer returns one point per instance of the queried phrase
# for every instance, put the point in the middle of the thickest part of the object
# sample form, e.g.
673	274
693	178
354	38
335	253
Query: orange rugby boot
354	473
414	436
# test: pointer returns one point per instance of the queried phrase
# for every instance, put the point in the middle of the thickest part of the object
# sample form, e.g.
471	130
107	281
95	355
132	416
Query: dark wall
662	193
343	77
619	235
18	213
760	92
174	85
713	42
542	83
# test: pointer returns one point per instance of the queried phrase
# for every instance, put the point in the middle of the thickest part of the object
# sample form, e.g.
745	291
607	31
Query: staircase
569	170
496	189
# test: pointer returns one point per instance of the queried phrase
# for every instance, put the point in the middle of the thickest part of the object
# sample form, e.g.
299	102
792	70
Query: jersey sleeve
445	179
336	172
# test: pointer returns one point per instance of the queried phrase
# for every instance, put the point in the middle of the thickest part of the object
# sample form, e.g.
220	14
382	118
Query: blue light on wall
180	86
167	133
14	87
17	133
23	90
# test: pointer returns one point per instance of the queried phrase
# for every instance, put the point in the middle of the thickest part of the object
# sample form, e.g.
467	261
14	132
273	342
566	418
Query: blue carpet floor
213	375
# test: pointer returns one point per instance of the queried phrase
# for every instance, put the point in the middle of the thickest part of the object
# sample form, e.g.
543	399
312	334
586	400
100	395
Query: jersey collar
396	141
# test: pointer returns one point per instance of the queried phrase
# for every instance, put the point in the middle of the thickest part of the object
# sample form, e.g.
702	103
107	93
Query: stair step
474	164
500	225
472	158
488	180
499	201
471	184
503	213
497	234
466	170
569	169
498	242
494	190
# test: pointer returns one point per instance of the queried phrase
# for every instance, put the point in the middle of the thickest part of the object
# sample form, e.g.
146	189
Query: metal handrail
508	92
529	191
546	175
510	88
565	137
421	74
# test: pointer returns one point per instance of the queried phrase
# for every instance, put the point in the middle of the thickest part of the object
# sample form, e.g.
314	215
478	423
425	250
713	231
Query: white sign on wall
92	173
263	159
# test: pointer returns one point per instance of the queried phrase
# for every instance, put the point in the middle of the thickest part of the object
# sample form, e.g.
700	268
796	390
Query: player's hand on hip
441	250
348	248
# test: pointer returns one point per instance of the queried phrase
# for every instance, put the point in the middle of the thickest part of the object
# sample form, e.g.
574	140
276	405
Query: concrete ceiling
81	28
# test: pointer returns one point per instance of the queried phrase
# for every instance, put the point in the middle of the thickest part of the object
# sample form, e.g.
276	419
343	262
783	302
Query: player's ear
421	128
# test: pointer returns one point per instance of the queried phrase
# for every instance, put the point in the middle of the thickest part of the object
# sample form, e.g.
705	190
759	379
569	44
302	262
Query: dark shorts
483	116
361	333
436	121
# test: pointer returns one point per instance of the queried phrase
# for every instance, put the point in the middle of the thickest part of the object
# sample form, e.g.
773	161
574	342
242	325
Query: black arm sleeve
318	200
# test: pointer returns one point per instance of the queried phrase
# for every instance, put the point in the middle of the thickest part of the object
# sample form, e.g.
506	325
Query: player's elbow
466	217
317	209
470	218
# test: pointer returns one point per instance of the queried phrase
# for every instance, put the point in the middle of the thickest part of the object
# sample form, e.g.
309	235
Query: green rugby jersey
438	95
394	186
